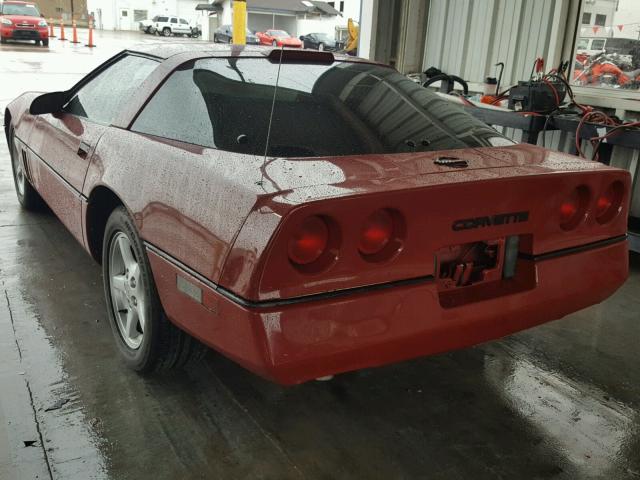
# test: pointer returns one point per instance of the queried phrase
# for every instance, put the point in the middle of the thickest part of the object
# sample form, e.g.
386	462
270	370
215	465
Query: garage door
259	22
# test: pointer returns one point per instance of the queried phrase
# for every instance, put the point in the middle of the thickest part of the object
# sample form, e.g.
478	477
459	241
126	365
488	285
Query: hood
303	179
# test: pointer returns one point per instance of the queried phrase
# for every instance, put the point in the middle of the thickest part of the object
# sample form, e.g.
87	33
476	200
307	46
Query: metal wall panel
467	37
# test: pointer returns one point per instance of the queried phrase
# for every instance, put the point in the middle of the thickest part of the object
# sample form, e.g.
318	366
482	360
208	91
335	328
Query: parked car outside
172	25
224	34
307	213
22	21
319	41
148	25
278	38
196	28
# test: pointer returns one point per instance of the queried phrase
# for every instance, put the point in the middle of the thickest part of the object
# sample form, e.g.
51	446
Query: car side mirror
42	15
48	103
302	37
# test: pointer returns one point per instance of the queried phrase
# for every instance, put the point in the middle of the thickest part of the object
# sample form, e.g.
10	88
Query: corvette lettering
490	220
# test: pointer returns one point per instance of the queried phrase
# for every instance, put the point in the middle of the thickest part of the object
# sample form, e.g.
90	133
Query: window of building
586	18
601	20
607	53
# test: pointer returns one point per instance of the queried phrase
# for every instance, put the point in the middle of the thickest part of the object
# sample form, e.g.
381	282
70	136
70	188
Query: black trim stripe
351	291
285	301
572	250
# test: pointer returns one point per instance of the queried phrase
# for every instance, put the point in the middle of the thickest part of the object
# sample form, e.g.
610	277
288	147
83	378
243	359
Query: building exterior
68	10
597	18
125	14
297	17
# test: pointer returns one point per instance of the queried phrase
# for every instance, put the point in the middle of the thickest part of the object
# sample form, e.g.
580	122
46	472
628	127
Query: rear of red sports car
416	236
327	214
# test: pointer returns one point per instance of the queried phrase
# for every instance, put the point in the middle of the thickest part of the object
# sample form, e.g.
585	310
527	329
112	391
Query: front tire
166	31
321	47
45	43
28	197
146	339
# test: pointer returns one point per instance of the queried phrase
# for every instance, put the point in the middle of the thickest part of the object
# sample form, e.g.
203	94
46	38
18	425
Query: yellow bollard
239	22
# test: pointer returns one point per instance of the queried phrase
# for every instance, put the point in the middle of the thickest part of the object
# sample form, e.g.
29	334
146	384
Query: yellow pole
239	22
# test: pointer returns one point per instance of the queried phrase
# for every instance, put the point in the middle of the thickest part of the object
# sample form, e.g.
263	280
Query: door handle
83	149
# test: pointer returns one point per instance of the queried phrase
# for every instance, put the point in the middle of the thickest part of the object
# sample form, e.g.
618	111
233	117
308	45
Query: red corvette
22	21
383	223
278	38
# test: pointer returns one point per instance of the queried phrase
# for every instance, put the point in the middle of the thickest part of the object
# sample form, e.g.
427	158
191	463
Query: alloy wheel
128	292
18	167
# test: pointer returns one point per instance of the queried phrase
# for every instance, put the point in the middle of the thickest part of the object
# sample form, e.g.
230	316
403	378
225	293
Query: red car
22	21
356	220
278	38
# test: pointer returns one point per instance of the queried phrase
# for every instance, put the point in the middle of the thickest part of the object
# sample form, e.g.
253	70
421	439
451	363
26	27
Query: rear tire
146	339
321	47
28	197
3	40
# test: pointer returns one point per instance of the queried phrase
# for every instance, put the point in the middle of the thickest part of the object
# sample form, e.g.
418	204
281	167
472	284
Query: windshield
278	33
324	37
27	10
320	110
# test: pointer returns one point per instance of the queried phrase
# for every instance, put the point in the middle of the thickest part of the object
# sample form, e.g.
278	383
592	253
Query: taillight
609	202
376	233
309	242
573	208
382	235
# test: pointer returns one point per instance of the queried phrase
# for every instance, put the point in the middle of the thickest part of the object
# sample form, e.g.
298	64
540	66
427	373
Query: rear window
28	10
319	110
163	19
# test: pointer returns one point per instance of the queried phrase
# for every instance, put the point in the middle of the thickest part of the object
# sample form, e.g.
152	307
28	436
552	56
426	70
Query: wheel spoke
130	327
141	314
118	283
125	252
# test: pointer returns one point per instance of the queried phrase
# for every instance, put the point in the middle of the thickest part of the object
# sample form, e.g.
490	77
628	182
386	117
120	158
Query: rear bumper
290	343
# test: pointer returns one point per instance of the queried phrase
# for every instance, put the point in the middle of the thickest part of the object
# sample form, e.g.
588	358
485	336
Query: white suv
170	25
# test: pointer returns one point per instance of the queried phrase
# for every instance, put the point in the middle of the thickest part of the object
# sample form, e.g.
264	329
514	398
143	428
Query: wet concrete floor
559	401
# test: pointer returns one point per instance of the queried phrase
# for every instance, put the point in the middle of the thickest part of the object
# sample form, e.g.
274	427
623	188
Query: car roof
17	2
165	50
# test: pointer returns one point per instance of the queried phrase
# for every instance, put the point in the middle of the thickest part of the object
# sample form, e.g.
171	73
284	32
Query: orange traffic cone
75	33
51	34
62	30
90	44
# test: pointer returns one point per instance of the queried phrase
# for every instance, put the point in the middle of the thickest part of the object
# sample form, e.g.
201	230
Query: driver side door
64	142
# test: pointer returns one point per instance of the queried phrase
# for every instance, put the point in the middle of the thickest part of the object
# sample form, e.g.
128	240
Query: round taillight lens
376	233
568	210
309	242
608	202
573	208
